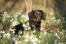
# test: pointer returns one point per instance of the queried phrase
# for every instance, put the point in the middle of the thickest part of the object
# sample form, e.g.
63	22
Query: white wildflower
34	30
36	39
45	33
39	41
27	23
59	43
6	35
2	32
41	29
51	13
11	19
56	34
31	36
26	28
53	18
58	37
16	42
29	28
14	39
51	31
27	36
34	43
39	36
23	16
21	33
26	17
24	25
26	40
19	13
60	32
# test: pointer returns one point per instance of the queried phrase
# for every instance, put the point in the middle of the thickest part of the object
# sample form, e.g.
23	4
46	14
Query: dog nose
37	20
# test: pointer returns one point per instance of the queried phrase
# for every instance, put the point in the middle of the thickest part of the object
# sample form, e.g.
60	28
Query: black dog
35	17
18	28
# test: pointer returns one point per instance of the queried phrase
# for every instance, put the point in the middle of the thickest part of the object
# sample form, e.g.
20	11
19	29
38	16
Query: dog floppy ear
31	14
43	15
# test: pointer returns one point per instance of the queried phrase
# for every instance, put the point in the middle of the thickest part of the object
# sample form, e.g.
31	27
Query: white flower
26	40
24	25
56	34
51	13
45	33
23	16
51	31
60	32
59	43
14	39
26	17
21	33
34	43
31	36
26	29
36	39
34	30
16	42
2	32
41	29
19	13
27	36
27	23
6	15
29	28
39	41
6	35
59	20
11	19
11	29
58	37
39	36
53	17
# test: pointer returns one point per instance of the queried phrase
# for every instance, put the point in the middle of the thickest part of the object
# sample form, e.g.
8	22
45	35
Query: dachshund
35	17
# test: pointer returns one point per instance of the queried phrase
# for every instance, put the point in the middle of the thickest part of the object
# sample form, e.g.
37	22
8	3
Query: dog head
37	15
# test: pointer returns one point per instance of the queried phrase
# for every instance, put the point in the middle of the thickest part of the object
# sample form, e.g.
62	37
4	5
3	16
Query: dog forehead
37	12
